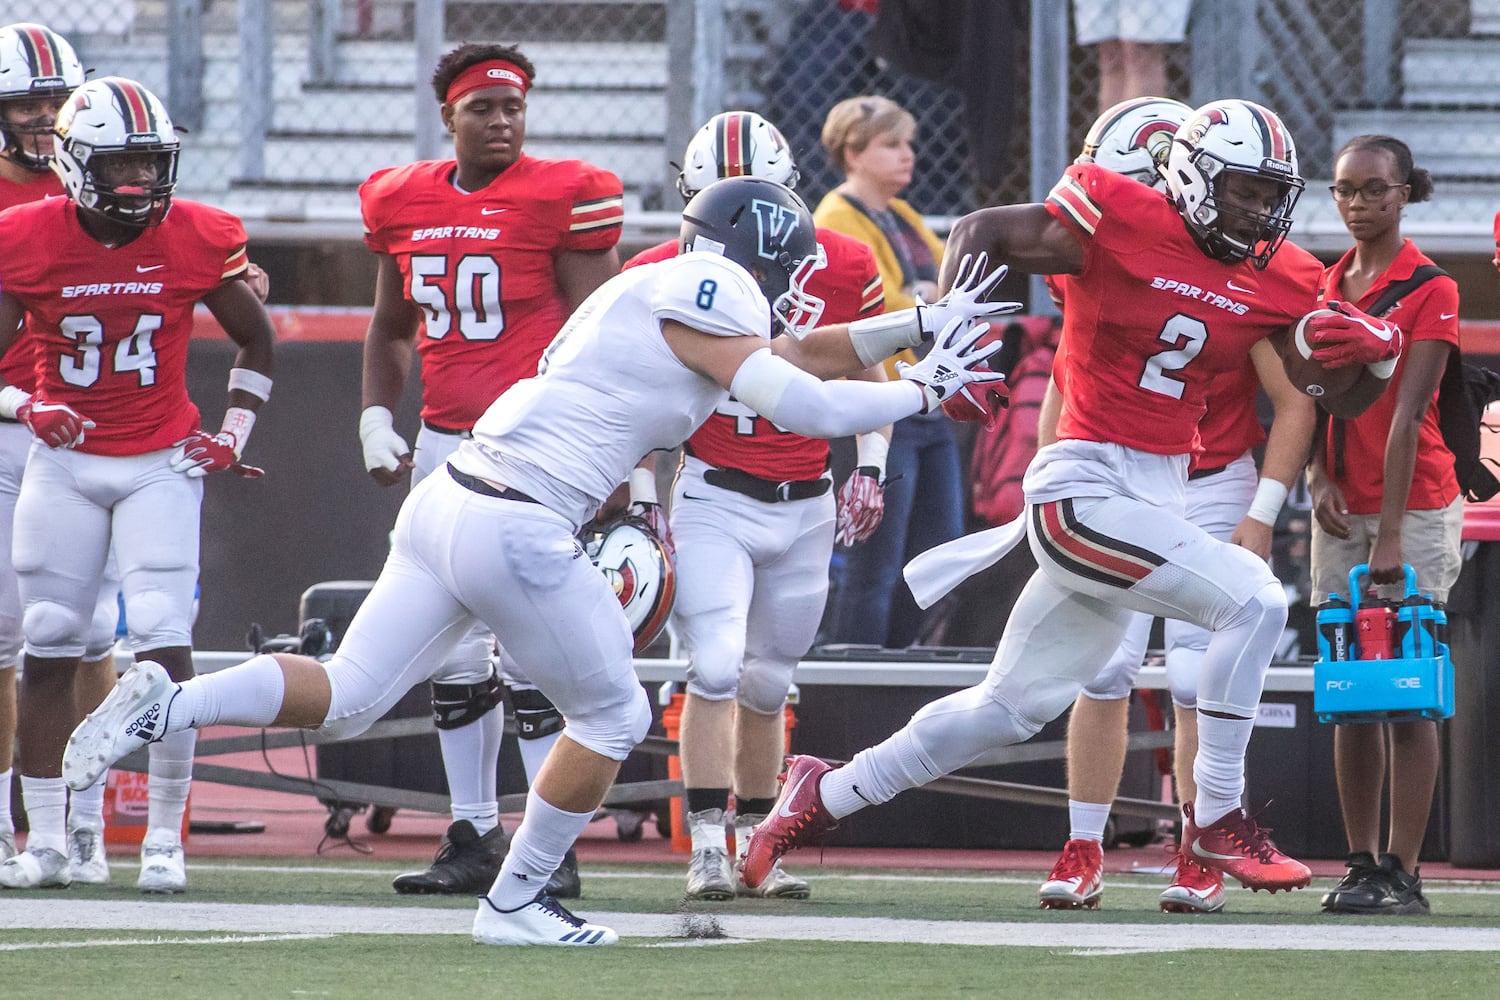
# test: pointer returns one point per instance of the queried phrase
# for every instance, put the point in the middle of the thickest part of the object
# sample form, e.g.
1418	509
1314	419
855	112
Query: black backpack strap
1401	289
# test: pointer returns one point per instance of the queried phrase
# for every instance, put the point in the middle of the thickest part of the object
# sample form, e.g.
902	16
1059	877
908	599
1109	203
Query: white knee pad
764	684
1234	668
715	659
1187	645
961	728
53	629
157	619
613	731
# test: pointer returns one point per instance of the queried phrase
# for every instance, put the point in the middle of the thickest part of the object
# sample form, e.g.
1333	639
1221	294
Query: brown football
1307	374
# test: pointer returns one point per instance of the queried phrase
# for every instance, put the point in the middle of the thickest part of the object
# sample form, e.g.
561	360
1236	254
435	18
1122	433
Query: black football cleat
466	864
565	883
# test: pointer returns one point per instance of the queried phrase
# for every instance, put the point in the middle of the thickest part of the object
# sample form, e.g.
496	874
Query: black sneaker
466	863
1405	893
564	883
1365	887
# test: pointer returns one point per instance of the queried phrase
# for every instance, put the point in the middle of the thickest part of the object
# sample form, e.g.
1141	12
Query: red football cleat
1238	847
1077	880
798	819
1194	889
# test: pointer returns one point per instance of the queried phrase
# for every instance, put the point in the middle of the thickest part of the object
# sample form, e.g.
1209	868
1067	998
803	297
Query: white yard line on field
22	912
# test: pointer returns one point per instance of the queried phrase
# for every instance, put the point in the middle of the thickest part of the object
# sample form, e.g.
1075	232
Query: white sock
171	777
471	756
7	821
707	833
46	810
534	752
86	808
246	695
1219	768
1087	820
875	775
537	849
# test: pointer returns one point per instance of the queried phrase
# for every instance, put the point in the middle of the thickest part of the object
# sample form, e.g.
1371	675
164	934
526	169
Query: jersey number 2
476	295
1187	335
133	354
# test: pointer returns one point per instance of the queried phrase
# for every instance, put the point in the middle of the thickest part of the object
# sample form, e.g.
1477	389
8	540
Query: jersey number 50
132	354
476	296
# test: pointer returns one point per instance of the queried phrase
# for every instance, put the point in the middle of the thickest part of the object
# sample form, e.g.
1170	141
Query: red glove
861	505
58	425
976	403
200	453
1353	337
656	519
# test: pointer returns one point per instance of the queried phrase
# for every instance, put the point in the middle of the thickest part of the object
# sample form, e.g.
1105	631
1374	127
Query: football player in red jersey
485	255
753	517
1224	496
1152	278
106	280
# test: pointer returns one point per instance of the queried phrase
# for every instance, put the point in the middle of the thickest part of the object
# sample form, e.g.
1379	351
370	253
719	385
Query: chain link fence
292	103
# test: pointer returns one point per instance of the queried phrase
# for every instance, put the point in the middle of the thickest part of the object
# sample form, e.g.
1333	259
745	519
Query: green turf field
253	929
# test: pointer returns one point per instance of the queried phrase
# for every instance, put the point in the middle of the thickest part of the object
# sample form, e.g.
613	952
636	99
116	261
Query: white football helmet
116	117
1233	137
35	63
637	564
736	144
1134	137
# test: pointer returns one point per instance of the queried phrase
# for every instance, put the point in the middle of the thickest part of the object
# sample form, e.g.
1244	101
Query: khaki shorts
1431	542
1130	20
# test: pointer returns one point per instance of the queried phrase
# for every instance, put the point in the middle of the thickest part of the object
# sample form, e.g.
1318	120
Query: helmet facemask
24	142
1214	222
797	311
135	205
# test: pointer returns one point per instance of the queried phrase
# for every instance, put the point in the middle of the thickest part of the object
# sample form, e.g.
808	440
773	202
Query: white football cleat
710	877
133	715
163	867
7	845
41	868
86	855
542	921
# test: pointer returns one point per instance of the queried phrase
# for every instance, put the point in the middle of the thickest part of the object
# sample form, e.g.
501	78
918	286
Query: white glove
964	299
956	360
384	448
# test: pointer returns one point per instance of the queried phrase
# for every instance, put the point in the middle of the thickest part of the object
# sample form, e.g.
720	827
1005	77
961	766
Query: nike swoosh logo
1236	288
689	496
491	211
153	267
1199	850
1446	315
781	807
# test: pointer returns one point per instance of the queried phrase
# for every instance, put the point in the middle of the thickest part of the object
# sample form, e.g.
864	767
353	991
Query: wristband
375	418
251	381
1383	370
11	399
871	450
1270	494
643	486
878	337
238	423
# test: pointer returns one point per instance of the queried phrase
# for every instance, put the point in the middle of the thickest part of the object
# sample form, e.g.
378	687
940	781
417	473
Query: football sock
471	755
86	808
1087	820
746	806
699	799
875	775
246	695
46	802
1219	768
171	777
534	753
536	851
7	821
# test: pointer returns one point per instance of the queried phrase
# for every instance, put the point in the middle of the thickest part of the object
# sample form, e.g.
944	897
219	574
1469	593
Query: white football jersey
609	389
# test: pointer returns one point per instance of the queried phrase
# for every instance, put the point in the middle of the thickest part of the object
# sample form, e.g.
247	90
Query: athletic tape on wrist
251	381
1270	494
11	399
643	486
1383	370
872	450
878	337
238	422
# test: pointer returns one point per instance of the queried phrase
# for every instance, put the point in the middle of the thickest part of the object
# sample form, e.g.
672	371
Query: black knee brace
536	716
456	705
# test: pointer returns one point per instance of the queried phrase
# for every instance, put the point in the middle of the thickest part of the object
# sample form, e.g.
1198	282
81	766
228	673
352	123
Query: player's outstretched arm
1026	237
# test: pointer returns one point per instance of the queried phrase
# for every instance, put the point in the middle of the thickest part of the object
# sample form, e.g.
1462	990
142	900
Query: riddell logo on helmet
47	82
1276	166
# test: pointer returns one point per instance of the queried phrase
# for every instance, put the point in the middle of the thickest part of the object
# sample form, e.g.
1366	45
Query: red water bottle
1376	624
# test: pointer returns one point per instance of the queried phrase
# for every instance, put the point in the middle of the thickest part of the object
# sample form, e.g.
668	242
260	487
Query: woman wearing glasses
1384	492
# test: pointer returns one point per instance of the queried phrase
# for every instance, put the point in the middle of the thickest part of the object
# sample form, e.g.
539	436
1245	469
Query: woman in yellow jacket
870	140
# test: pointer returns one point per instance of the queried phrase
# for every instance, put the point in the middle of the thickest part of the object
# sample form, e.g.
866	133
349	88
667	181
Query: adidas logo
144	725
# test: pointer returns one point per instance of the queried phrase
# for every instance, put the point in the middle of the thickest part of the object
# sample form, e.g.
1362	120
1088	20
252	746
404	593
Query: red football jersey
112	324
737	437
480	267
1429	312
1151	320
18	366
1230	427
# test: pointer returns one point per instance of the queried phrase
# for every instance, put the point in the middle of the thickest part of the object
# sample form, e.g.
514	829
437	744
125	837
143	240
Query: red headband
493	73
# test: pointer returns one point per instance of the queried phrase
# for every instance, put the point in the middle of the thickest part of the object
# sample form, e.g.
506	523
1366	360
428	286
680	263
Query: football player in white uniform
639	366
